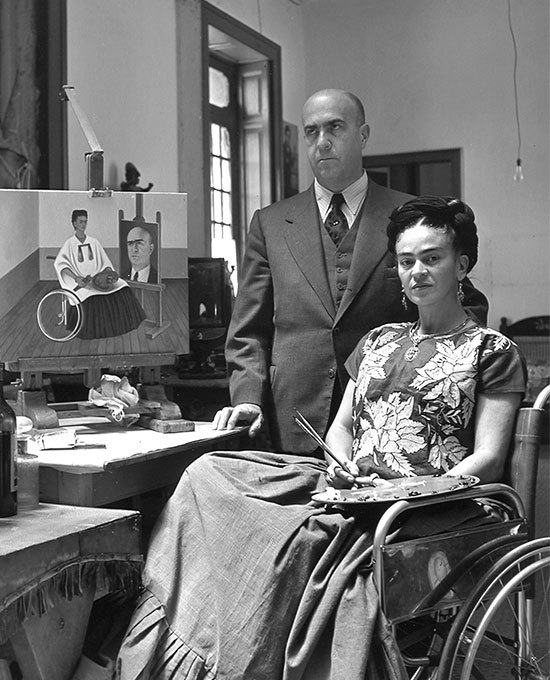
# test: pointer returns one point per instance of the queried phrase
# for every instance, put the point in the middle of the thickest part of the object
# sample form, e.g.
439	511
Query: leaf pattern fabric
417	417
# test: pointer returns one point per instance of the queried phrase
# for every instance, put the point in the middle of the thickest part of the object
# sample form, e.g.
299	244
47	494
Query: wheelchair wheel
501	631
421	639
59	315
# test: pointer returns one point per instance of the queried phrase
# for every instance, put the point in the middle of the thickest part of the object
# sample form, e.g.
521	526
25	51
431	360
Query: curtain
19	95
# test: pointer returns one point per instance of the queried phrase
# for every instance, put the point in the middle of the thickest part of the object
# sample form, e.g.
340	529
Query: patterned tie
336	223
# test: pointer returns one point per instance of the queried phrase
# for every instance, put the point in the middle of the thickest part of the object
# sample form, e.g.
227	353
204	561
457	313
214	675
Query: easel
154	410
156	324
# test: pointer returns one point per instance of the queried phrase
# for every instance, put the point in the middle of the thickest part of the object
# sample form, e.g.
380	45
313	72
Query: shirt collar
143	274
354	195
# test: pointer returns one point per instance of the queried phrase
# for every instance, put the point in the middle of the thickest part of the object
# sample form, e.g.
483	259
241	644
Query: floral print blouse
416	416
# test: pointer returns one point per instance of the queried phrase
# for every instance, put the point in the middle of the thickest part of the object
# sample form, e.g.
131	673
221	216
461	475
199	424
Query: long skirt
106	316
247	579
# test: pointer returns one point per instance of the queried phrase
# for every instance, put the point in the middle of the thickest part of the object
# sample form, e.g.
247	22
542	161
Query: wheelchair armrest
387	520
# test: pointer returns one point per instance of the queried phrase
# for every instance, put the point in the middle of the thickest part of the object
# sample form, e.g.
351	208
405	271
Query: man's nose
324	140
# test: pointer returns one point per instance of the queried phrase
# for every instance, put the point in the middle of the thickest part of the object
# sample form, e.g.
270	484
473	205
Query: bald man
307	295
140	249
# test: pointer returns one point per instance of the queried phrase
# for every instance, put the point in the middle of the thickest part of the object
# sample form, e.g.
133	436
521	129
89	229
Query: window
242	129
224	166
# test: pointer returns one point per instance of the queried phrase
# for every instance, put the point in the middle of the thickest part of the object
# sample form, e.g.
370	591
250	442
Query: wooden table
135	461
55	560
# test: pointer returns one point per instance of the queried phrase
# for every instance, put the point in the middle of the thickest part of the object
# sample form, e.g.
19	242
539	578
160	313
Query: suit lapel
370	245
301	233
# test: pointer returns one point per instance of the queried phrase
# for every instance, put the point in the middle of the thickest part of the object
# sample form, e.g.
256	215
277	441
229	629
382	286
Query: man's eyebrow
136	240
326	123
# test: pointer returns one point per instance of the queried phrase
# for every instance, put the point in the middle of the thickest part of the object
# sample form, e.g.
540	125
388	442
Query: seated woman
440	394
245	577
83	267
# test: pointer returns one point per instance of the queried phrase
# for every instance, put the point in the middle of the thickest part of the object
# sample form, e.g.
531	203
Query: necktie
336	223
135	276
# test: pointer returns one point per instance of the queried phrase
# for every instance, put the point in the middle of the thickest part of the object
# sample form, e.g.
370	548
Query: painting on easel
93	279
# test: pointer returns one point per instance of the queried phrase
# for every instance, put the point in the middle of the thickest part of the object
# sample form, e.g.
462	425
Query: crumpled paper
116	394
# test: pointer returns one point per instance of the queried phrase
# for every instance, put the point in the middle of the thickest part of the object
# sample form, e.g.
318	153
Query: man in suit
140	249
307	295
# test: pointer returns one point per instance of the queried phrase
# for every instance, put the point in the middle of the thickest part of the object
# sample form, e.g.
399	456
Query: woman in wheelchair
83	267
246	577
440	394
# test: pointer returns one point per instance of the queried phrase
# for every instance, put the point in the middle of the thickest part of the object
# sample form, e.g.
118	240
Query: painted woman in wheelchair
109	306
245	577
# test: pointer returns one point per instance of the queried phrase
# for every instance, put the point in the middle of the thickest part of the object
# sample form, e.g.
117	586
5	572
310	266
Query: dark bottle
8	447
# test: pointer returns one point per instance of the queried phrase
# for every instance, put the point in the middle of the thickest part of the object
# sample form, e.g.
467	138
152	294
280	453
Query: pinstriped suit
287	343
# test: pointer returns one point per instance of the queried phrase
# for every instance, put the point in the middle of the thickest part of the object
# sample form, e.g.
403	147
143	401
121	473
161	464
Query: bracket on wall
94	158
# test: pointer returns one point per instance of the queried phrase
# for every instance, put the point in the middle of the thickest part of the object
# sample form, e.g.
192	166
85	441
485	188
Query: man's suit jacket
152	278
287	343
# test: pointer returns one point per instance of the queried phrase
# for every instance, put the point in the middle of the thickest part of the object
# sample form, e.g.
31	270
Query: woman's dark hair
78	213
447	213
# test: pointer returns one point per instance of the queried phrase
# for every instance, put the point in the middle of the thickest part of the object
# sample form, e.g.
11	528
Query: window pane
226	204
219	88
216	174
217	214
225	143
215	135
226	175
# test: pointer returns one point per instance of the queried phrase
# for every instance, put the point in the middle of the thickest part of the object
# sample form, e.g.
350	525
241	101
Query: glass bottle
8	448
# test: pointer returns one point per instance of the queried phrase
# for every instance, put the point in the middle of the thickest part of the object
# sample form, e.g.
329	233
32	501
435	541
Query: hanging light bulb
518	174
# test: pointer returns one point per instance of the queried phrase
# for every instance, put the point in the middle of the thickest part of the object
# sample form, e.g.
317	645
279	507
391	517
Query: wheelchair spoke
503	630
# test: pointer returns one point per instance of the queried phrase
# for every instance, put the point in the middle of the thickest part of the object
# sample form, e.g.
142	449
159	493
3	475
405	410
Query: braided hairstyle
447	213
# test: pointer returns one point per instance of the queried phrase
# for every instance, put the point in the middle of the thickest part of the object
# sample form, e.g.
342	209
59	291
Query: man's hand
231	416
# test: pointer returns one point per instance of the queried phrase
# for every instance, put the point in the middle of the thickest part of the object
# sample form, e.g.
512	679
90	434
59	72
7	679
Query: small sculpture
132	179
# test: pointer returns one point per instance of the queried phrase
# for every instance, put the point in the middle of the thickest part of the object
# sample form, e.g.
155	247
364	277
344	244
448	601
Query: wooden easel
148	292
154	410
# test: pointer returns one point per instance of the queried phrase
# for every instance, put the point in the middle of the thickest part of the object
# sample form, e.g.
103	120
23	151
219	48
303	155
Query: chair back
522	462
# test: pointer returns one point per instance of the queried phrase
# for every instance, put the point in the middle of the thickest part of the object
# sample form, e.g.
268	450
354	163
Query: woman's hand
339	478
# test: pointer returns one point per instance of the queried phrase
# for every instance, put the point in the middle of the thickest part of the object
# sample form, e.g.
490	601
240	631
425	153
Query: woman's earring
460	293
404	298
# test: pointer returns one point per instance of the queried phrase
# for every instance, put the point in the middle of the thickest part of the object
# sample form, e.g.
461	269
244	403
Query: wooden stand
154	410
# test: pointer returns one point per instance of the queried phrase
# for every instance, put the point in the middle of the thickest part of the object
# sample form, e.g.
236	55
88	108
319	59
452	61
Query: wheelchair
60	314
473	602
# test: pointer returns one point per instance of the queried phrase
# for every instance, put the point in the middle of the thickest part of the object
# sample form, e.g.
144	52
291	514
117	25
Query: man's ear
365	133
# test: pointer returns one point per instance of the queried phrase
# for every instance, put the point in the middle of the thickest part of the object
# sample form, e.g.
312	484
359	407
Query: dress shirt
143	274
354	195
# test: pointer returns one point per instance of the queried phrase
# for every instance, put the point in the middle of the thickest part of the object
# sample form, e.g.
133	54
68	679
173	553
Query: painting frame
136	249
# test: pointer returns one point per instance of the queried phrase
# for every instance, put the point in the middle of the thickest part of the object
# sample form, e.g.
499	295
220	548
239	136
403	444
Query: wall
135	63
439	74
121	60
19	253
